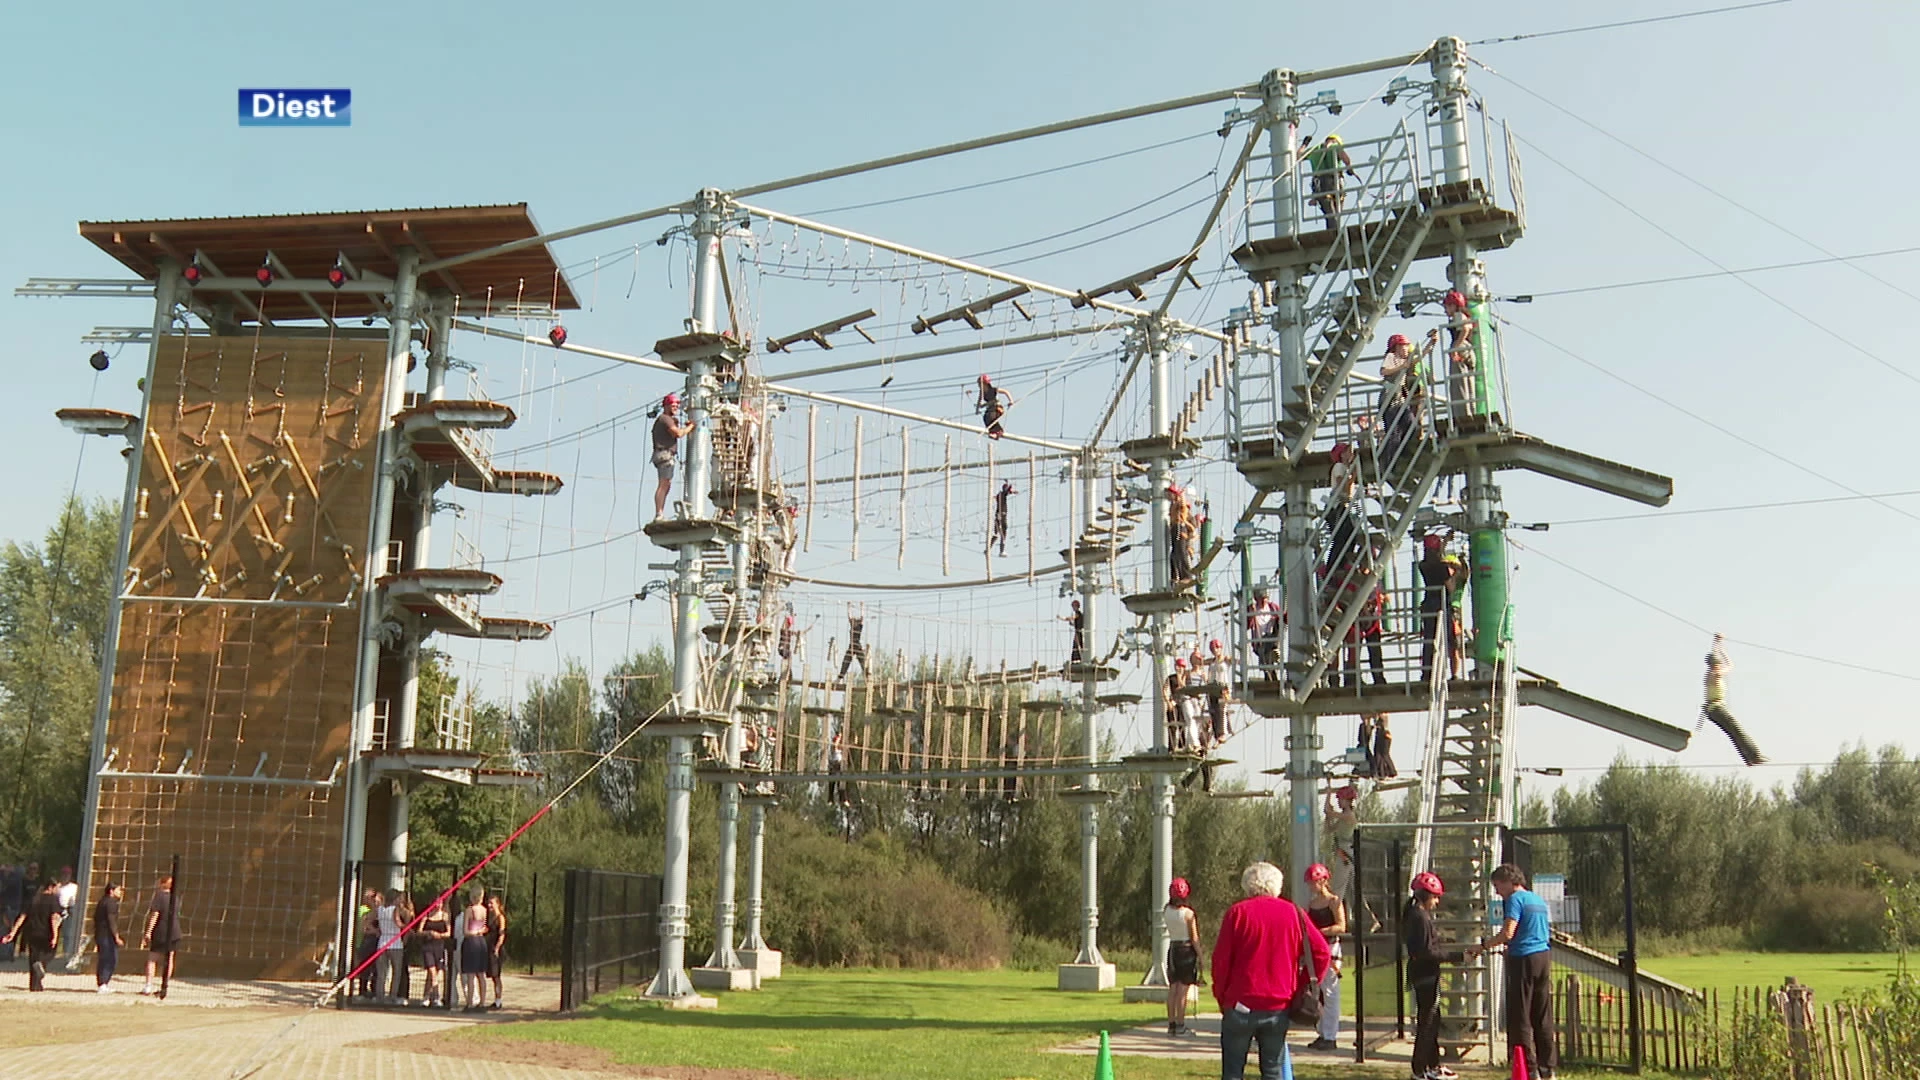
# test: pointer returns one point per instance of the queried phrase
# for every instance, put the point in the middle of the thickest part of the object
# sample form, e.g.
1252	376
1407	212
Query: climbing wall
229	730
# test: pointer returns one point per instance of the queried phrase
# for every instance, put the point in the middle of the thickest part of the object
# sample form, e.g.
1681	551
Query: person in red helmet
1403	396
1441	578
1219	687
1345	518
1328	912
1425	954
1339	820
993	404
1177	740
1183	953
1461	330
1179	536
668	430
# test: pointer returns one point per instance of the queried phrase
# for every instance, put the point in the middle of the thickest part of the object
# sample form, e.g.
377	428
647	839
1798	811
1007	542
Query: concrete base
1157	994
740	978
764	962
691	1001
1087	977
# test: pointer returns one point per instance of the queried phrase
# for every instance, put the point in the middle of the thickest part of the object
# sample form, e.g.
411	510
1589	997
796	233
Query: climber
1346	528
1329	161
668	430
856	626
1340	822
990	407
1462	329
1179	534
1078	621
1403	396
1715	709
1263	626
999	532
1436	601
1177	740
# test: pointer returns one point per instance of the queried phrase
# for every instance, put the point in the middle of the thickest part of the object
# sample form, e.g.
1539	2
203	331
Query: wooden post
1573	1014
946	512
858	428
1033	480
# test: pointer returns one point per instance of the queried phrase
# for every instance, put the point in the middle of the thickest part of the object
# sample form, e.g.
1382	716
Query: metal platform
1159	448
1176	602
1096	672
681	351
1461	212
696	725
681	532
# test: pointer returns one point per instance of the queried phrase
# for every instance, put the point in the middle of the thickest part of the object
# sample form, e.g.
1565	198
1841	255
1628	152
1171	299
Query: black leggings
1426	1024
1530	1010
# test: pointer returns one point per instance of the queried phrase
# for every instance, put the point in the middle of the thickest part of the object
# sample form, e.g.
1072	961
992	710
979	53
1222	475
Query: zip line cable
1718	274
1746	506
1628	22
1684	621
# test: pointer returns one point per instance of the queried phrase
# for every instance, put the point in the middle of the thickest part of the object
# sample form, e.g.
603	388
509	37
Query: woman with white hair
1258	956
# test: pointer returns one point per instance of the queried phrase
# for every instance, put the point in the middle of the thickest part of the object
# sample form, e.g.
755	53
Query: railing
478	442
453	727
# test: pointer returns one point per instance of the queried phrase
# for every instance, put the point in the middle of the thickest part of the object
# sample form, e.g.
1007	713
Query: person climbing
1339	821
1425	954
1329	163
1078	622
1177	741
1219	688
1263	627
788	633
836	764
991	408
1403	396
999	532
668	430
856	648
1458	573
1328	912
1436	600
1715	708
1345	519
1461	331
1183	954
1179	534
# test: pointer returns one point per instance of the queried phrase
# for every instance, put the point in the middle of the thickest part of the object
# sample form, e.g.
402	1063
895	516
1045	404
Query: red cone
1520	1064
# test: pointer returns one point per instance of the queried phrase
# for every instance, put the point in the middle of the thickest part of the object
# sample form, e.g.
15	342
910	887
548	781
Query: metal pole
756	870
379	530
1089	587
671	981
727	803
1634	1020
440	322
1154	340
165	284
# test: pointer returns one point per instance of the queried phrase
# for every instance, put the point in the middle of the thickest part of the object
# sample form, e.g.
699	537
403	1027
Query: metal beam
1526	452
563	234
952	350
1551	695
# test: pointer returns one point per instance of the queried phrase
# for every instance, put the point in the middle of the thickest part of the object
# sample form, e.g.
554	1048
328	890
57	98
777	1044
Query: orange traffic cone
1520	1064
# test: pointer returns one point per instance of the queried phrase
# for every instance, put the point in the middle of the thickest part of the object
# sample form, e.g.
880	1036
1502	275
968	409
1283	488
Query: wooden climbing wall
232	705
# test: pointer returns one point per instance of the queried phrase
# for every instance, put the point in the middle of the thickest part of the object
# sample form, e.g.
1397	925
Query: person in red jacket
1257	960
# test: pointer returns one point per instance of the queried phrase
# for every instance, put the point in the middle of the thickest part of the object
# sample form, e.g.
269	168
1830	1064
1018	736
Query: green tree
53	604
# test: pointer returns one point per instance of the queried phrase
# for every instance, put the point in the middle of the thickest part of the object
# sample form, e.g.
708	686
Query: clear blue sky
126	110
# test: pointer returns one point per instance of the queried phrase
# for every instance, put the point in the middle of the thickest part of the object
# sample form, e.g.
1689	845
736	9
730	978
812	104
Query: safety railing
453	726
1487	152
478	442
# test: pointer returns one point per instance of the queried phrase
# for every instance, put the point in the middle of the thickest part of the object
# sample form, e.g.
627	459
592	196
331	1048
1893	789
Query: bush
1823	918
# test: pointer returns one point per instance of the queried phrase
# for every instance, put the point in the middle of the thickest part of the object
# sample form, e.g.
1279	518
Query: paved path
1392	1058
279	1031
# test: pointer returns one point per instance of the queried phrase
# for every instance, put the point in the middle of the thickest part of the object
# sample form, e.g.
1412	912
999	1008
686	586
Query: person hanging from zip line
856	648
991	408
1462	328
1715	711
998	534
1329	163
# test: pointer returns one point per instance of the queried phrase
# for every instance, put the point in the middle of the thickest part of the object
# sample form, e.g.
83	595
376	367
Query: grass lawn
1831	975
871	1025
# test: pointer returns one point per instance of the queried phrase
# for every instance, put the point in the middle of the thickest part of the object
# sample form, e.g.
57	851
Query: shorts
1183	963
474	956
663	465
433	954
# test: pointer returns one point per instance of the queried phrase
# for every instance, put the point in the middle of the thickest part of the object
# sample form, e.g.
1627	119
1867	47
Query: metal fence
610	933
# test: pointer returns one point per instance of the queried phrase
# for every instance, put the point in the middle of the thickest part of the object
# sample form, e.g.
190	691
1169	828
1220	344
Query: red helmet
1396	341
1178	889
1455	299
985	381
1318	872
1347	793
1180	663
670	400
1433	542
1216	643
1427	881
1342	452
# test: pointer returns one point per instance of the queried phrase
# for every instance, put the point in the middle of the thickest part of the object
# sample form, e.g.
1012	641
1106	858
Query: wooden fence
1694	1035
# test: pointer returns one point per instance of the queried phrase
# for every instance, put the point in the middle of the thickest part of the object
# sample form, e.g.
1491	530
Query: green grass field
1832	975
879	1025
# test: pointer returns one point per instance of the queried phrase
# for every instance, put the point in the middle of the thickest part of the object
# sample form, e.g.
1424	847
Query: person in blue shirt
1526	934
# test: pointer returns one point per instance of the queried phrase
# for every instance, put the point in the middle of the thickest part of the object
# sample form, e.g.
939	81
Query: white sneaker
104	990
1441	1072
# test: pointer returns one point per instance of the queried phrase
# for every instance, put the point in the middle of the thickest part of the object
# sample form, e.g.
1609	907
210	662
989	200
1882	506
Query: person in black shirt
668	430
1425	954
856	649
999	532
13	900
106	936
1078	621
38	927
992	404
1440	578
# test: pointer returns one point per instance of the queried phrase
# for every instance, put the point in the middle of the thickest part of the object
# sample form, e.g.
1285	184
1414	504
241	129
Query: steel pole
165	284
1089	588
756	863
1161	411
379	531
727	805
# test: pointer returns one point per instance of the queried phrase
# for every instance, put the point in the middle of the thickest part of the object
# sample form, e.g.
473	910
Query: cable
1669	234
1010	179
1728	432
1684	621
1629	22
1747	506
1720	273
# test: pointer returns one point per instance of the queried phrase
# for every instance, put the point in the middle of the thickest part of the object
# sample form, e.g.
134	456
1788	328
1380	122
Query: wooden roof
309	243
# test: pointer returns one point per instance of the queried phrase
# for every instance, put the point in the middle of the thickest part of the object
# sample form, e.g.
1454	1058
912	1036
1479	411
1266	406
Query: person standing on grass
1257	961
106	937
1527	934
38	928
1183	954
435	929
1425	954
496	941
162	933
473	952
1328	912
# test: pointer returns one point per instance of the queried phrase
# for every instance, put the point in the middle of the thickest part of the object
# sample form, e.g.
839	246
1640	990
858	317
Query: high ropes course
930	520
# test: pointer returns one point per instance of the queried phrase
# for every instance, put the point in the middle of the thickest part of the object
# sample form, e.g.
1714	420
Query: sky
1657	151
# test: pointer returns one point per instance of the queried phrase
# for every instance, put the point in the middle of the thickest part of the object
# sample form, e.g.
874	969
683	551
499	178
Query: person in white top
1219	688
1183	954
67	892
1327	911
386	977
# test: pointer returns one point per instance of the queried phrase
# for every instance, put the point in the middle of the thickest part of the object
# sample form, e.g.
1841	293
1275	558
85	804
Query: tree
53	604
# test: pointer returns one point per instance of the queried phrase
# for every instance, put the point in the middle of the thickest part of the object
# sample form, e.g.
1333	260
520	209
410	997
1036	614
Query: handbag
1304	1008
